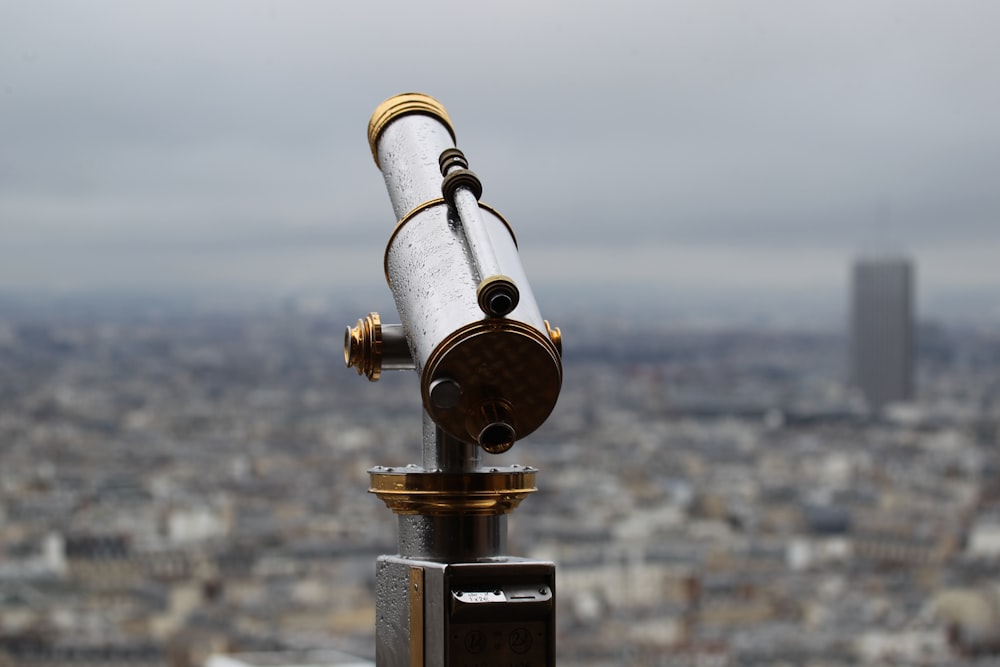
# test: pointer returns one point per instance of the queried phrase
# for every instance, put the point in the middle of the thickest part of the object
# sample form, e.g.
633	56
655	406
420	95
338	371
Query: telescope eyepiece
498	435
497	296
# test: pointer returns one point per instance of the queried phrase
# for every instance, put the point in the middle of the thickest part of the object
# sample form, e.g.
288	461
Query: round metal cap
400	105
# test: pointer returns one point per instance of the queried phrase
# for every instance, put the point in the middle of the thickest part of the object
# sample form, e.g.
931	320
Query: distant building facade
882	329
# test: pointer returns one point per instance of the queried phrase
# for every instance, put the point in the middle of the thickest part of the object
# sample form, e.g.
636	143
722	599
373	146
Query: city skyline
704	152
174	487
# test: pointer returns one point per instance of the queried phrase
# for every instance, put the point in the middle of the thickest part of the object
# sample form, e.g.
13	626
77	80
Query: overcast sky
732	146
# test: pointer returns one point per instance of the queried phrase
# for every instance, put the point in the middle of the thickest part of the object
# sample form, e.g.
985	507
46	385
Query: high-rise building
882	329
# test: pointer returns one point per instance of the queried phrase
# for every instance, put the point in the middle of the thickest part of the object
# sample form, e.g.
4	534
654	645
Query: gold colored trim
555	334
420	208
506	224
363	346
401	105
412	213
416	616
482	493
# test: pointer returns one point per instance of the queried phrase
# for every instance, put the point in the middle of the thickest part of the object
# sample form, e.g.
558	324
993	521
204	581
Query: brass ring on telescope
506	224
420	208
412	213
483	492
400	105
363	346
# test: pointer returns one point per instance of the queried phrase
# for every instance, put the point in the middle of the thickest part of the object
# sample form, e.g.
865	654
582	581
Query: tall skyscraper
882	329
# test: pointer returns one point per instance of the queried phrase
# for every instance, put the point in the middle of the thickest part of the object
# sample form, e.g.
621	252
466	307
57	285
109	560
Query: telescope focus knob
371	347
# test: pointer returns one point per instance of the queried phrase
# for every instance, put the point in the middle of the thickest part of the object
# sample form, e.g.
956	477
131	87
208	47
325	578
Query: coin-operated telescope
490	372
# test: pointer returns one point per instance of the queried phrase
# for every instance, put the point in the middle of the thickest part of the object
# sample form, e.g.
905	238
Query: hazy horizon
595	305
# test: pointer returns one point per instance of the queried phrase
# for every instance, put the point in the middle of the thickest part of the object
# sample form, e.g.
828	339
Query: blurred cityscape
177	484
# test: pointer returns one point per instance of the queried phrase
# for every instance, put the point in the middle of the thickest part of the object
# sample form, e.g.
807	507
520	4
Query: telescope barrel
489	365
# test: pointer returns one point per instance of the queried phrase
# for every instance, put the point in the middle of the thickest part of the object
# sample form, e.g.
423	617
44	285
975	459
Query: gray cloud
211	138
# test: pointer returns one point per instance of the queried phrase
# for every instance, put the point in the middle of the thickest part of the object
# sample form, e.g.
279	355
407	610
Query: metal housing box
485	614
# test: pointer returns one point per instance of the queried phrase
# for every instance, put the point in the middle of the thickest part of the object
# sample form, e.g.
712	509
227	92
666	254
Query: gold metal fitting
483	493
555	335
400	105
497	296
413	213
363	346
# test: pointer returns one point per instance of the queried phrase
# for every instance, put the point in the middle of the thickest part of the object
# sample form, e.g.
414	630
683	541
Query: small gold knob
363	346
555	335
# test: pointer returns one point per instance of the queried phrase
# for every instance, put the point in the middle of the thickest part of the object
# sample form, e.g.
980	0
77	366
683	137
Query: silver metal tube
480	246
452	539
442	452
395	350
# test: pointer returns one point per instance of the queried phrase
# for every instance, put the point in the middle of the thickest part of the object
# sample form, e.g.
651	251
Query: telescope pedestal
488	614
452	596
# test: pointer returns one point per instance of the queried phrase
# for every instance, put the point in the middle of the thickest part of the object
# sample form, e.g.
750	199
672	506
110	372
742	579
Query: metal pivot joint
370	347
490	372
